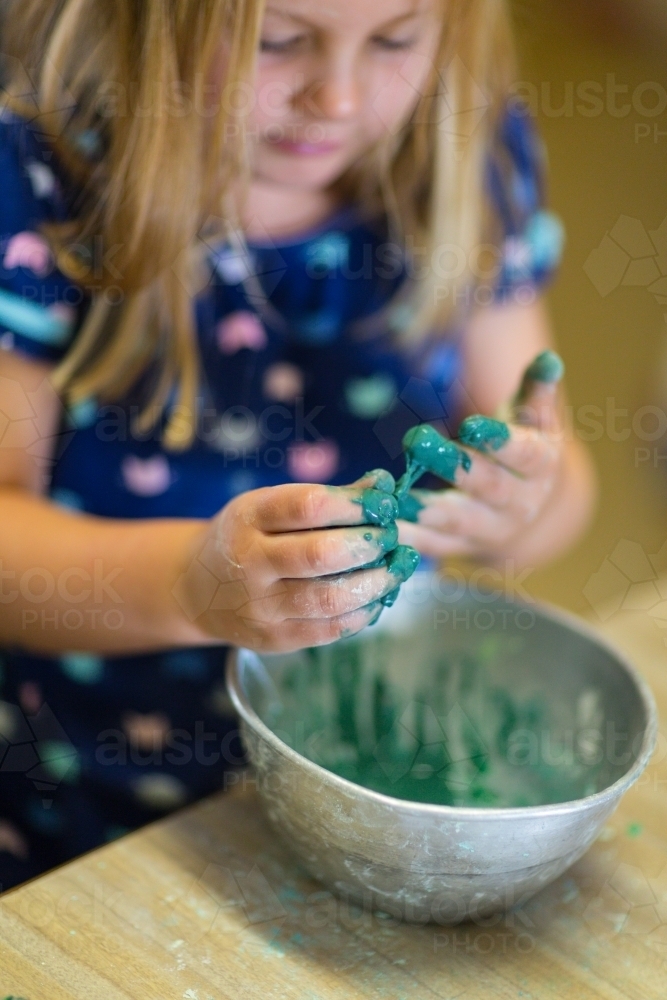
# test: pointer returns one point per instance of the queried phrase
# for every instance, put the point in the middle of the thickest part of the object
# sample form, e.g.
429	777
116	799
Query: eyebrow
288	15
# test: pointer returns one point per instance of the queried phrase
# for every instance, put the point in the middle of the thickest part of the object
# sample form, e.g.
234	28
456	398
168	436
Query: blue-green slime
427	451
442	731
547	367
409	506
483	433
402	563
378	507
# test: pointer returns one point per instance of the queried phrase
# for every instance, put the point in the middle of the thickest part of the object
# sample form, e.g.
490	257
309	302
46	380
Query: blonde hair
163	172
431	178
161	178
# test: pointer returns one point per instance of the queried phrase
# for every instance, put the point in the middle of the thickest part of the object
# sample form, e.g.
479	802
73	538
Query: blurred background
596	73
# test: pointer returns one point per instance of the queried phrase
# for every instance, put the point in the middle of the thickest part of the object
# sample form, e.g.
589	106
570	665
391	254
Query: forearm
566	515
76	582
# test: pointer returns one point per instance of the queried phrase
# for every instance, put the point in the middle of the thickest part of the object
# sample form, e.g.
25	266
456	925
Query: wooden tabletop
208	905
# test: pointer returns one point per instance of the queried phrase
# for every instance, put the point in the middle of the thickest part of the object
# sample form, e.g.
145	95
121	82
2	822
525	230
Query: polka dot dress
302	381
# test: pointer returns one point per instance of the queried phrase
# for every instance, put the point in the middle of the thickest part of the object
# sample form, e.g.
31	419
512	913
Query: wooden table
206	905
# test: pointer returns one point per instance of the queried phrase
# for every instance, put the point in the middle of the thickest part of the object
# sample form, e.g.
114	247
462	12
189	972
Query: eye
283	45
394	44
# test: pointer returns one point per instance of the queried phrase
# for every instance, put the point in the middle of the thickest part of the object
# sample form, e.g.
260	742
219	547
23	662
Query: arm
55	562
494	514
251	576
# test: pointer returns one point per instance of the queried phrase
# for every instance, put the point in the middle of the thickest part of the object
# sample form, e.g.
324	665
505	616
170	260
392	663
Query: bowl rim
474	813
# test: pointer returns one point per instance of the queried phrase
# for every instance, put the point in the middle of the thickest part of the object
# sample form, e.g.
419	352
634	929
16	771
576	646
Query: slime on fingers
547	367
383	480
427	451
378	508
402	563
408	507
483	433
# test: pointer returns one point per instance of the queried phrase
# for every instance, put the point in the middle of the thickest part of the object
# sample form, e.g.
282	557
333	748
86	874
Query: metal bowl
519	718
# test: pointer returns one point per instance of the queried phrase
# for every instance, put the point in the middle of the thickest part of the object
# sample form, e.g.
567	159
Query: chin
295	171
304	180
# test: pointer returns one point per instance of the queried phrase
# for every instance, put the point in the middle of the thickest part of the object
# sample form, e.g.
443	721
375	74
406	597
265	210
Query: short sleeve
532	236
40	308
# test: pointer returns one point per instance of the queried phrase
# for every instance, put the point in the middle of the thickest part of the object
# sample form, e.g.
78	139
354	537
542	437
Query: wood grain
209	905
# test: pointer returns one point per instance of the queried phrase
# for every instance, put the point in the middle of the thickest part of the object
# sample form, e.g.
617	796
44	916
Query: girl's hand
272	571
514	473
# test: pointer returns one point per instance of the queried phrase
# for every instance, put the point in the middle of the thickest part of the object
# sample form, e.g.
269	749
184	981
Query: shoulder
517	168
532	236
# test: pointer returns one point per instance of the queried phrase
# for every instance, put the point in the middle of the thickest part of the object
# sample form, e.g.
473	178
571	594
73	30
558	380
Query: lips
303	148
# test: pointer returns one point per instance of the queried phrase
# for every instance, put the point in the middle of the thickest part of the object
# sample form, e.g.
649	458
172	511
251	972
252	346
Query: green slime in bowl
458	738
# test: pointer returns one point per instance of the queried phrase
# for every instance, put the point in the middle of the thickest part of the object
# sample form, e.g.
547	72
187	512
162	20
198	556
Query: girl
243	251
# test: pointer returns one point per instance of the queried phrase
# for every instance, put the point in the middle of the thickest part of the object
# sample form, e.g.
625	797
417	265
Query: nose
333	92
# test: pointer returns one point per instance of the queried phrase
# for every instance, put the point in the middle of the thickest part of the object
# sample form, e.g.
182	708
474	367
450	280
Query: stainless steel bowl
564	722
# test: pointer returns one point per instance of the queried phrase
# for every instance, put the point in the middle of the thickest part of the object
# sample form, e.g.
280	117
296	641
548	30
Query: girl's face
334	77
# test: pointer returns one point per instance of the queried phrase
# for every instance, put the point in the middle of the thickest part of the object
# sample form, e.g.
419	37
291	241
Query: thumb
536	403
377	479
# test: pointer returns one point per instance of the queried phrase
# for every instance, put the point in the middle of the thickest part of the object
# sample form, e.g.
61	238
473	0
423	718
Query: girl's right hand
272	570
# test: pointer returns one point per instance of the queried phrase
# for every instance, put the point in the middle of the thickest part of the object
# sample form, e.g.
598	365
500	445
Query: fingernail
483	433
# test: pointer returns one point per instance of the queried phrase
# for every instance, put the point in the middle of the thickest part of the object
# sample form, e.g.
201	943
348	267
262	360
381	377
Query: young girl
242	252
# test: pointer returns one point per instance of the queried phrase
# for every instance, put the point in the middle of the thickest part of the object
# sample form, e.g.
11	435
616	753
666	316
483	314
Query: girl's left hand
505	491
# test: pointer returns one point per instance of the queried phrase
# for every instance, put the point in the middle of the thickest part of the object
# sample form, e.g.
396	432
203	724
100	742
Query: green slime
385	712
384	480
483	433
427	451
409	507
402	563
378	507
547	367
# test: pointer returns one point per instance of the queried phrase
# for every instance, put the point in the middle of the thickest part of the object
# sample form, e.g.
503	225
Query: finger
435	544
304	554
528	453
298	507
452	512
536	403
331	597
377	479
302	633
547	368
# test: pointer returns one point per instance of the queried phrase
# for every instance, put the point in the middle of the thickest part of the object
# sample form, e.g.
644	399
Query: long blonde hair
162	176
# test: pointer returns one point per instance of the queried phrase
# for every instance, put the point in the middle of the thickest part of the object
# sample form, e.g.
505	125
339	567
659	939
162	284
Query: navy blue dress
302	381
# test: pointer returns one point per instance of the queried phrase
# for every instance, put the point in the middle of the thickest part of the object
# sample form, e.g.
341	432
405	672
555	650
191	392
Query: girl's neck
278	212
